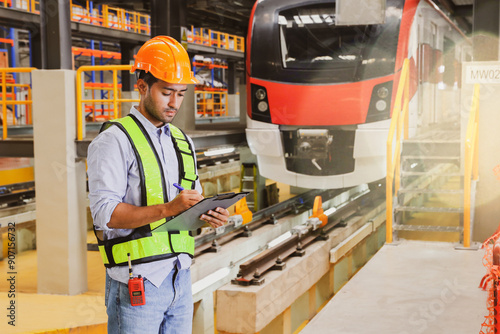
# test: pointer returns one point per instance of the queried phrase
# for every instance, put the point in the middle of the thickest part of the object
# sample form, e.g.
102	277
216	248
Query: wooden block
312	302
250	309
346	245
287	321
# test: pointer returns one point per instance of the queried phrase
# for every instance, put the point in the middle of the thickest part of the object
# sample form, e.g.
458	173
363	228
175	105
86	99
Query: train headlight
380	102
382	92
260	94
381	105
262	106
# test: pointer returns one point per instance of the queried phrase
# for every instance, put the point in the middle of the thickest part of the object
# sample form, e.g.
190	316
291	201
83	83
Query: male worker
132	167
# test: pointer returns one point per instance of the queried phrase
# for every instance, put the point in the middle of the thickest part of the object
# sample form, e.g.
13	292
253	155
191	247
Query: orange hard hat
166	59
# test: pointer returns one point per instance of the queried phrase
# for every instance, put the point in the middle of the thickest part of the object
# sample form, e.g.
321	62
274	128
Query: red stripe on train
339	104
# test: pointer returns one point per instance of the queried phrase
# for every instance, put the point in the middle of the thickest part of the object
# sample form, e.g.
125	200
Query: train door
447	88
438	68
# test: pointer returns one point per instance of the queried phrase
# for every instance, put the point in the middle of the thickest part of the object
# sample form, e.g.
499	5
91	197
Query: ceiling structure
461	10
232	16
229	16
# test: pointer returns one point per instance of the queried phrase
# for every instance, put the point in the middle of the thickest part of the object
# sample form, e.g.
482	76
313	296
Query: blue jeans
168	309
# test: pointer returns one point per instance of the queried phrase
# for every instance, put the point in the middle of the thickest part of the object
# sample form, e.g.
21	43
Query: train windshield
310	39
309	47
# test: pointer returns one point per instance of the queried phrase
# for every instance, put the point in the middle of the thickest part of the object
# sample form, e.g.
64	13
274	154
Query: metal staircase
425	172
430	197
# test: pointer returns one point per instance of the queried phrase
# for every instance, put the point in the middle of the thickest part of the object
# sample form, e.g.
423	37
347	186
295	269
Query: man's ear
142	86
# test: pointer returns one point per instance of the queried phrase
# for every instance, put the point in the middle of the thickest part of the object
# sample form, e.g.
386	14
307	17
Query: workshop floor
412	287
41	313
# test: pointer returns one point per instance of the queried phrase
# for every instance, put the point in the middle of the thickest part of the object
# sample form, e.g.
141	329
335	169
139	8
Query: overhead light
306	19
327	18
316	18
217	151
297	20
347	57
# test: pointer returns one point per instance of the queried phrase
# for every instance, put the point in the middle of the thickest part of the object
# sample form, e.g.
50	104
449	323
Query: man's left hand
216	218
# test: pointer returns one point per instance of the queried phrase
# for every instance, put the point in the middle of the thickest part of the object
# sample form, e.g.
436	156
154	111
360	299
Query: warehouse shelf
77	51
209	66
215	67
210	93
7	41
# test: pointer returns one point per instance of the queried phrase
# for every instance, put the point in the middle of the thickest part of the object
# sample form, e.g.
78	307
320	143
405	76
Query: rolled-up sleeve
108	163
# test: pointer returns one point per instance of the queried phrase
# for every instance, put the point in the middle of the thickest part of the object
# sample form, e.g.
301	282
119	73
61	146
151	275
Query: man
132	167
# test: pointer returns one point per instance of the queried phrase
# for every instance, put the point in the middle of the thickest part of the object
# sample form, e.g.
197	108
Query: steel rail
252	271
212	240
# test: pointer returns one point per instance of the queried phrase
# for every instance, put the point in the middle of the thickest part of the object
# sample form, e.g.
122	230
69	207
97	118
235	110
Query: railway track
211	239
253	271
16	194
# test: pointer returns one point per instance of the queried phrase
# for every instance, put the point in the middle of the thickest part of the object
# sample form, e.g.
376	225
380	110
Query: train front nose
318	152
313	145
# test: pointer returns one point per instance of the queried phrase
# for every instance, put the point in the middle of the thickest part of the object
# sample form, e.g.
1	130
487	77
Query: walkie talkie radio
135	287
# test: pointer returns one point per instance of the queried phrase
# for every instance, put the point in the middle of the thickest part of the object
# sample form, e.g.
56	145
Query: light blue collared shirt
114	178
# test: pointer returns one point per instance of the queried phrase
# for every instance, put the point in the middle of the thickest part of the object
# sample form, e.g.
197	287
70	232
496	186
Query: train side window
449	62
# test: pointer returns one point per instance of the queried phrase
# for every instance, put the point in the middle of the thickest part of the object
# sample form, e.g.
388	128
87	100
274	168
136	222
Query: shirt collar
150	128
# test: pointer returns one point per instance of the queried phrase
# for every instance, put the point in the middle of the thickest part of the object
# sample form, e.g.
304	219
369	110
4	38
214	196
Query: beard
157	115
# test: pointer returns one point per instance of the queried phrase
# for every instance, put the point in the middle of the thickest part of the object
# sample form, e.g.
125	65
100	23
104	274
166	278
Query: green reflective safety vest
144	244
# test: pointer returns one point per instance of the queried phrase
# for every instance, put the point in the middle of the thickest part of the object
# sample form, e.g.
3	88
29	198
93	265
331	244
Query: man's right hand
130	216
183	201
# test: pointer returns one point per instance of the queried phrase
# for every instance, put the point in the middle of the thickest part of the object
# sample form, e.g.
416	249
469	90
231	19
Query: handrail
121	19
206	36
4	84
470	162
96	53
79	90
112	17
399	123
207	105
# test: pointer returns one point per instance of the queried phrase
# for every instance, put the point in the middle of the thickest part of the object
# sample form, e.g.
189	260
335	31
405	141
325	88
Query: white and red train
320	94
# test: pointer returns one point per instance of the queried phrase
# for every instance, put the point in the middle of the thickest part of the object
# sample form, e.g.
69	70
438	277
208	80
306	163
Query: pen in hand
178	186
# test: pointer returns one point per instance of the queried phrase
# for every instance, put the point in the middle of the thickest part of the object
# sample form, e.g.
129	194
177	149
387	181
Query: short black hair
147	77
